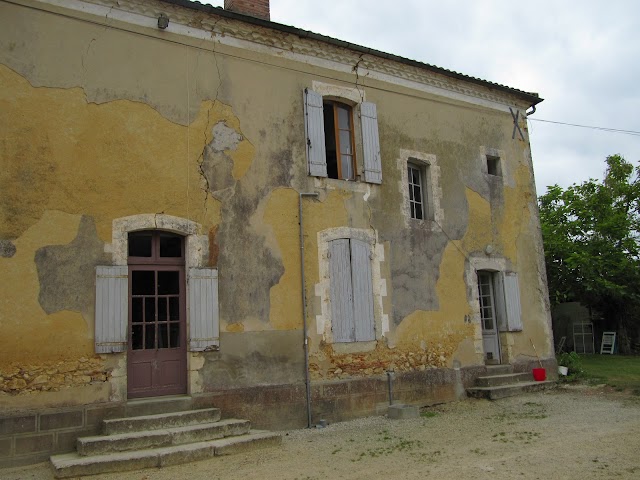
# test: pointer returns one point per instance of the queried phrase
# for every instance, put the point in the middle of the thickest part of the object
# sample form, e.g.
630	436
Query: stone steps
74	465
160	439
501	382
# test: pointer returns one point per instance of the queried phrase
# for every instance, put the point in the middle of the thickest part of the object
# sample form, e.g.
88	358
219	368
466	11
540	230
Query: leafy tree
591	235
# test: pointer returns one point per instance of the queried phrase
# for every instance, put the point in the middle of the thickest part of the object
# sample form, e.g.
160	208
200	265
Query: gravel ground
568	433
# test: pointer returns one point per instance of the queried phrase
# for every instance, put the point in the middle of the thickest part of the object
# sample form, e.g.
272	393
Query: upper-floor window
338	140
417	179
331	141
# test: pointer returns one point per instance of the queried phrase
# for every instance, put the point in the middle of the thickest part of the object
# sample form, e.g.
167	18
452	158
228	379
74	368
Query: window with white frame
417	178
330	139
499	298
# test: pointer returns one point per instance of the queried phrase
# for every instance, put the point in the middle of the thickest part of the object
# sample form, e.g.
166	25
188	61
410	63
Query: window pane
168	283
343	117
163	341
170	245
174	308
150	309
418	211
174	334
143	282
140	244
136	310
136	337
345	142
413	210
150	337
347	167
417	194
162	309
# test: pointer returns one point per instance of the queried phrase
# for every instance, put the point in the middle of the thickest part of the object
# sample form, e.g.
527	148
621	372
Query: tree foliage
591	235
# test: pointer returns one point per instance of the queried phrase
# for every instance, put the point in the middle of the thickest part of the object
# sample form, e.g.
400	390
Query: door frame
157	264
490	336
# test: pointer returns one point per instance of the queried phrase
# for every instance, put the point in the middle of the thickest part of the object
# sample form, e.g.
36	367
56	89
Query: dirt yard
569	433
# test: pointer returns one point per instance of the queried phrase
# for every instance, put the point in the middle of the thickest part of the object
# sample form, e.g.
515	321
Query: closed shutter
362	291
112	315
371	143
512	301
341	291
314	130
204	322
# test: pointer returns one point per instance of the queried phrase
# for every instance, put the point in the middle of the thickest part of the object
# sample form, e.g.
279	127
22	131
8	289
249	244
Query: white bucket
563	370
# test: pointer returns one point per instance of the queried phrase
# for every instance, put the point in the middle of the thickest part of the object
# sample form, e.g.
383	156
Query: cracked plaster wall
129	124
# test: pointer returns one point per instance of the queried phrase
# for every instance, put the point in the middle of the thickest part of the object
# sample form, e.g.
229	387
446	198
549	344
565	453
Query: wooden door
157	315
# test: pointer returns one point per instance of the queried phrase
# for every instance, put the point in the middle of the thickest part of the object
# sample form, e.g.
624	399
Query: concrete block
13	425
402	412
186	454
66	441
72	465
95	415
55	421
34	443
5	447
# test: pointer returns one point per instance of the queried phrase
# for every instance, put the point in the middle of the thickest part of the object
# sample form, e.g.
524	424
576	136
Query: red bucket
539	374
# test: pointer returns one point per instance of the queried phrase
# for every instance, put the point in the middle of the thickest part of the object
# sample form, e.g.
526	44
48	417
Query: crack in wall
355	70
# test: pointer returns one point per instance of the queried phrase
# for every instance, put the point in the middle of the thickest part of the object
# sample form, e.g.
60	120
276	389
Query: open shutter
342	321
371	143
314	131
112	313
362	291
500	303
512	301
204	323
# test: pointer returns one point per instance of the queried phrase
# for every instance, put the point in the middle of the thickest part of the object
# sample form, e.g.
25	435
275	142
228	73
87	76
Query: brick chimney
253	8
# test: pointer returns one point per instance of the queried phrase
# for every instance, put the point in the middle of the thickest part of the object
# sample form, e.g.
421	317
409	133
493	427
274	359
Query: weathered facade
161	162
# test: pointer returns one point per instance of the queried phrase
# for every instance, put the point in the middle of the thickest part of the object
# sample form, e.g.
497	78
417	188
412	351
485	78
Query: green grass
618	371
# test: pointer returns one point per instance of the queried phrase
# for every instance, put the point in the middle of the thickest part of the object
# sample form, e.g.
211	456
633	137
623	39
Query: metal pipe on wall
304	307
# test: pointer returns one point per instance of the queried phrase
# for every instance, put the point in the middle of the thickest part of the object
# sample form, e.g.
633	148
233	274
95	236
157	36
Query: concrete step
502	391
499	369
503	379
74	465
160	421
103	444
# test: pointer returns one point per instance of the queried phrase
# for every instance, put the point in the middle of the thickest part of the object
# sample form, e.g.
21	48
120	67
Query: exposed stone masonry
54	376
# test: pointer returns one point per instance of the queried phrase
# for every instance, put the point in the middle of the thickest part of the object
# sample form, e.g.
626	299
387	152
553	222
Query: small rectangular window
418	190
493	166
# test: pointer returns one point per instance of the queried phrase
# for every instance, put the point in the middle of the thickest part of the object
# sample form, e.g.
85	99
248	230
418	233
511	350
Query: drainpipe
304	308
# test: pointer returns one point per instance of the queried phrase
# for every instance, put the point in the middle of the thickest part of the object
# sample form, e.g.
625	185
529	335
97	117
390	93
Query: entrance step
160	421
159	440
102	444
155	405
501	382
74	465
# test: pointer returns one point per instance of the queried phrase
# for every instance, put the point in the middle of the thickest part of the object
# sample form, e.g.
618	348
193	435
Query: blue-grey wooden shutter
342	321
512	301
362	291
204	322
314	131
112	312
371	143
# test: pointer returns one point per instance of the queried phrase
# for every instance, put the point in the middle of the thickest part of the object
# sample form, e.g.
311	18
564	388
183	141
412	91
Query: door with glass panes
157	357
488	317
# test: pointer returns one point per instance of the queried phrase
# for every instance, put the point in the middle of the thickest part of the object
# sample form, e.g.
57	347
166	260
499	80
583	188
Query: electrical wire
605	129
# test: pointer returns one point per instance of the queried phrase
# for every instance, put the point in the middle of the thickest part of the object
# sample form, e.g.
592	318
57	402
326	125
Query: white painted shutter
342	321
112	312
512	301
204	322
314	131
362	291
370	143
500	302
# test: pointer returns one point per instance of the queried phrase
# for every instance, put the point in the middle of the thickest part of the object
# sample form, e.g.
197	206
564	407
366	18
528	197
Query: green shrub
573	362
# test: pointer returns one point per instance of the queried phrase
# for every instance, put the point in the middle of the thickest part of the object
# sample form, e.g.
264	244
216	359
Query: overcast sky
582	57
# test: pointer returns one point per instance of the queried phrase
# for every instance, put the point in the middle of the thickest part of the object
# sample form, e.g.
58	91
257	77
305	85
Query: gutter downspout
304	307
